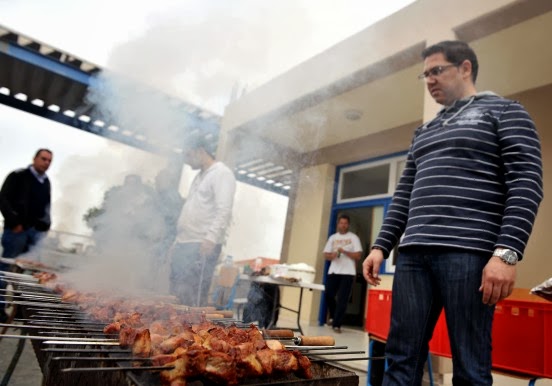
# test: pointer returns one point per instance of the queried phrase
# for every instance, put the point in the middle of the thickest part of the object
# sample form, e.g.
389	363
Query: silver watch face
510	257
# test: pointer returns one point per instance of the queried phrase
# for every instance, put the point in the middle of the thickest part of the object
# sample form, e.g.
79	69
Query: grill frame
324	374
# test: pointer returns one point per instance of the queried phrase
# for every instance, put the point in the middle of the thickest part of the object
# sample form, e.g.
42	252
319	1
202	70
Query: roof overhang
361	98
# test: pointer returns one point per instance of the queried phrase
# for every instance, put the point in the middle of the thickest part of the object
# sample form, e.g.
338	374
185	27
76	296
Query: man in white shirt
202	225
343	249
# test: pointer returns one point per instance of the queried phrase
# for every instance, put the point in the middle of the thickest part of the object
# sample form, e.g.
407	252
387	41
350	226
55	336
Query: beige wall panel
537	264
411	25
309	231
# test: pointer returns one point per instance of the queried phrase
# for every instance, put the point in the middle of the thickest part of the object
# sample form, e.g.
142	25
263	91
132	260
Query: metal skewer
122	368
83	333
69	340
126	359
333	353
346	359
20	276
66	314
99	359
87	350
55	322
44	327
24	284
78	341
35	297
21	292
61	315
46	305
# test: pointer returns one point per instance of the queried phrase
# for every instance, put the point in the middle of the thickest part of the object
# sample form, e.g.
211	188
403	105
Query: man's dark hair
41	150
455	51
345	216
201	142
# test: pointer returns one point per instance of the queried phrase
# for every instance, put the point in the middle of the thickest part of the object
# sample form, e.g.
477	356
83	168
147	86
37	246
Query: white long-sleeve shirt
208	207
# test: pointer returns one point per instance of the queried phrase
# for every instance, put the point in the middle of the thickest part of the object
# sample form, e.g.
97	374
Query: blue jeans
15	244
426	281
191	275
337	293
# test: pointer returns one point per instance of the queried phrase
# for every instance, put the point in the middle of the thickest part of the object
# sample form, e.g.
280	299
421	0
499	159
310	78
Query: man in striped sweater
466	204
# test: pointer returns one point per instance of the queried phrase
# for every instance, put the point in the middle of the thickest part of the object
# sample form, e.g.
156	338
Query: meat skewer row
186	342
222	355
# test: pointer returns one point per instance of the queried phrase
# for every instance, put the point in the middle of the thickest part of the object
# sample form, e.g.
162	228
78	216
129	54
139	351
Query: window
365	182
369	180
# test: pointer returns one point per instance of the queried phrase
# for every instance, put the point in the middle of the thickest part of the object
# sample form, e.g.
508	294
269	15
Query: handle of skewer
279	333
316	341
214	316
226	313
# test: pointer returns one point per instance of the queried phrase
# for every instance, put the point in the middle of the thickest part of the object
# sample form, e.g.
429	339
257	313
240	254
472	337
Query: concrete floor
27	372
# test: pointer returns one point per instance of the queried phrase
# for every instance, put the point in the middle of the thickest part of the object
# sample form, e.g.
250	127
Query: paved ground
27	372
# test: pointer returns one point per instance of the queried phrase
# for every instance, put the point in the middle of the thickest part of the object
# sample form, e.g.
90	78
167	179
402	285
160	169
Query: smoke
130	233
129	226
201	53
85	179
197	62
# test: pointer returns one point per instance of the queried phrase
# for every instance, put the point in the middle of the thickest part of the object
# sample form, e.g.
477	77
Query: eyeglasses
435	71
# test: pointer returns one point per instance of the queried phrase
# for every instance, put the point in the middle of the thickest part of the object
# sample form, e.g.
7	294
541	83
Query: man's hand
371	267
206	248
498	281
17	229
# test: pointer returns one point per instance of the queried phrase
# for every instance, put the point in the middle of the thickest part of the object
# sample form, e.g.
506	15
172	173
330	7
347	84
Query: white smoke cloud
197	51
200	51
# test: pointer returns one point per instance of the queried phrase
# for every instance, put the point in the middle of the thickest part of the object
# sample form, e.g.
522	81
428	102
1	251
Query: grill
58	372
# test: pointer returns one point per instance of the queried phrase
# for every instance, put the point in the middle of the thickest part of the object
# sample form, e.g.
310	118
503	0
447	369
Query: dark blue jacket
25	201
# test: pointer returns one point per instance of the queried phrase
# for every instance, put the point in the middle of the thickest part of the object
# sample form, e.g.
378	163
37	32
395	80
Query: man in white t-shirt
202	225
343	249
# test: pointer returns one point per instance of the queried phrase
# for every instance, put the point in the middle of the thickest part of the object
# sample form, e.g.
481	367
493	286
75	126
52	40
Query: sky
198	50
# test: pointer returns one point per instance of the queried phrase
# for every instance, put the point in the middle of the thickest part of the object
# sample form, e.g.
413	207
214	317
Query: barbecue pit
55	371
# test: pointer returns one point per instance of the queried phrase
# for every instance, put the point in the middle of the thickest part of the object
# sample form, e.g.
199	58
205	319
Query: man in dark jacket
25	205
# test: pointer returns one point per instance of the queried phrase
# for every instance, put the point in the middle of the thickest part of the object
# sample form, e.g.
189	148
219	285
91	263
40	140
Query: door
365	222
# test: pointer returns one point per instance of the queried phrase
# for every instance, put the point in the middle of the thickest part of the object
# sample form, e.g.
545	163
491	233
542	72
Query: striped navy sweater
472	180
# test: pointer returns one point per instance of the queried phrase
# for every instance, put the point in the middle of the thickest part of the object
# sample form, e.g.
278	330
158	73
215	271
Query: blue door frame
336	209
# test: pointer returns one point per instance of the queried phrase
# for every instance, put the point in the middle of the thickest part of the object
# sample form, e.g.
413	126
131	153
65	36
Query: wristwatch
506	255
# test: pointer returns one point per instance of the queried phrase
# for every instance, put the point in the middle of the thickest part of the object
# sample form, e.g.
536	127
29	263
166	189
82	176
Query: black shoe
337	330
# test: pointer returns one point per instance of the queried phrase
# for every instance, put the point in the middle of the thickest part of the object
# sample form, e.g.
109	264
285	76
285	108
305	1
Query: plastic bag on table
544	290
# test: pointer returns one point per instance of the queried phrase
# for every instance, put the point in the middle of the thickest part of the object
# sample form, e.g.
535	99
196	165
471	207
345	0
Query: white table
286	283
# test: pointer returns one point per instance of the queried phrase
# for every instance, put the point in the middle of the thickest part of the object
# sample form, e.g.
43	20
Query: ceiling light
353	114
21	97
